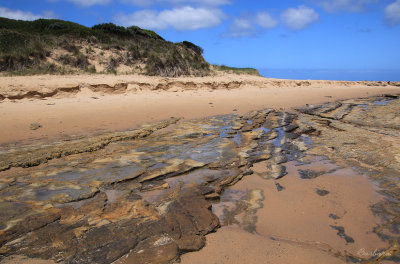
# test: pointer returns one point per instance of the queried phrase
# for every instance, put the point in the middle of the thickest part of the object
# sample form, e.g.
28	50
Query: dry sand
71	105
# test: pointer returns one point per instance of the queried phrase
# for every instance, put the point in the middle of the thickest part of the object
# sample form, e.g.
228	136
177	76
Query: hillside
61	47
50	46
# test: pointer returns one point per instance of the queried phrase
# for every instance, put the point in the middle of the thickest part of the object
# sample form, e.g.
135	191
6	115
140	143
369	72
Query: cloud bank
183	18
23	15
300	17
87	3
241	27
345	5
392	14
265	20
245	27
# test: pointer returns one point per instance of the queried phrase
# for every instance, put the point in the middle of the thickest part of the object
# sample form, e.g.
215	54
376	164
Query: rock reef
145	196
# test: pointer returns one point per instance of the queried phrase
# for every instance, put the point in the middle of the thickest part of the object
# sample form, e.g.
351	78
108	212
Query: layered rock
133	195
145	196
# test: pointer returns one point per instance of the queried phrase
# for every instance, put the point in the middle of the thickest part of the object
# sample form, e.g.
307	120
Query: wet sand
87	112
296	222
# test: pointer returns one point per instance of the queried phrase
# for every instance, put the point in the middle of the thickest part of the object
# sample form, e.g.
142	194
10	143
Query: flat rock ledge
145	196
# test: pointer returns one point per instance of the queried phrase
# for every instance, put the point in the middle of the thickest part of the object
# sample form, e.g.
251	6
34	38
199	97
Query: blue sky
304	35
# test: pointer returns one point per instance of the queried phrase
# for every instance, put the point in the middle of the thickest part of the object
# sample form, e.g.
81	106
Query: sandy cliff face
47	86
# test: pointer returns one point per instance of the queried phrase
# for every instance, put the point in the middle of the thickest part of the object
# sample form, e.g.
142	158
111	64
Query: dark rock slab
279	187
342	234
322	192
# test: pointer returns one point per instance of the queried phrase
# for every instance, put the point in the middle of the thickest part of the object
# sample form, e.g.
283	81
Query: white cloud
265	20
246	26
241	27
300	17
392	13
87	3
146	19
23	15
179	2
345	5
183	18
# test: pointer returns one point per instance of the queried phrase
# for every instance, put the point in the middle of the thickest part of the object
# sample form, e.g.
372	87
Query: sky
316	39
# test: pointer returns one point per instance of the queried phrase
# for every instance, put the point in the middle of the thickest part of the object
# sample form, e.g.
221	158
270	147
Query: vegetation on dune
56	46
59	47
224	68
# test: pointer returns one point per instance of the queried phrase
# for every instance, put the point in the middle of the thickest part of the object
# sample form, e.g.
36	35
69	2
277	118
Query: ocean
334	75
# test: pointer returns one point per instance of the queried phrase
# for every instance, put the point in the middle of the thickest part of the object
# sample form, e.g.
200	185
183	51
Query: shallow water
298	216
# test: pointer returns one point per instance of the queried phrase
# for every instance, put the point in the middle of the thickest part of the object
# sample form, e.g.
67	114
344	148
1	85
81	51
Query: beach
216	169
84	104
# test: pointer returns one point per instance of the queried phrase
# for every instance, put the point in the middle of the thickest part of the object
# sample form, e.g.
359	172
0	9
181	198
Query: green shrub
70	47
81	62
10	40
134	30
112	29
250	71
91	69
112	65
193	47
134	52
